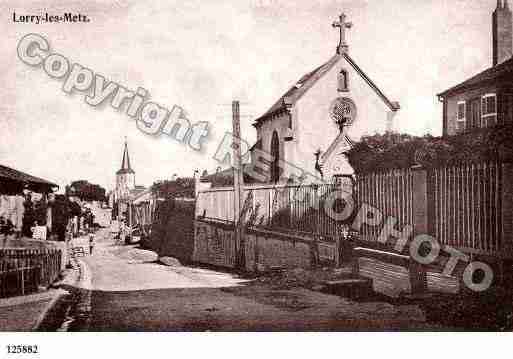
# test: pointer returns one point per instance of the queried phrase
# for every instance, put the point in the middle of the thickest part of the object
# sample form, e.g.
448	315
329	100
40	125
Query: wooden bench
415	272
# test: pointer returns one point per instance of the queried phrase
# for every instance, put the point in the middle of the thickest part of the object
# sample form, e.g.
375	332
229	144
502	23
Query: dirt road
125	289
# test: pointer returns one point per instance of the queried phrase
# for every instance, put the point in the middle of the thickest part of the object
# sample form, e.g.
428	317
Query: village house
486	99
30	259
14	186
310	126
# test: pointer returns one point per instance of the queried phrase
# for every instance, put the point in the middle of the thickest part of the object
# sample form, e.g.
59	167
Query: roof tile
490	74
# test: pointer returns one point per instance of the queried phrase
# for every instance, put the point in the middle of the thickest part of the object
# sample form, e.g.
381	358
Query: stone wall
267	250
173	230
215	244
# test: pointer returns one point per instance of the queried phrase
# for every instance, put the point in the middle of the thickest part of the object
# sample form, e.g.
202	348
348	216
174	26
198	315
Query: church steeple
125	164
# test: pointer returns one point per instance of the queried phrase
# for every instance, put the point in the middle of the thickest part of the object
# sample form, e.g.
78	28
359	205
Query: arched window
343	81
275	153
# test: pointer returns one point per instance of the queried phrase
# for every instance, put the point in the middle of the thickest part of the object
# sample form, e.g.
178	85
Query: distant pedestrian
91	243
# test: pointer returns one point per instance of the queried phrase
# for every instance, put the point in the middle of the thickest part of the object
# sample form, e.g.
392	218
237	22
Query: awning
13	182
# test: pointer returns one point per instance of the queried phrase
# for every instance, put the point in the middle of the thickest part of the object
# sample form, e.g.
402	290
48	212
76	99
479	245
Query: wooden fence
392	193
23	271
295	209
461	206
468	207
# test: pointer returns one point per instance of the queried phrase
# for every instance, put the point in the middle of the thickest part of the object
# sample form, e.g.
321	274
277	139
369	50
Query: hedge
398	151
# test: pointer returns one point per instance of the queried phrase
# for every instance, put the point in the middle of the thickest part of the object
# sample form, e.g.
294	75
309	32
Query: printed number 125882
22	349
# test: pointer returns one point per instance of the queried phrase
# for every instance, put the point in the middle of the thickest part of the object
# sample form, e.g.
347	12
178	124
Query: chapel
310	126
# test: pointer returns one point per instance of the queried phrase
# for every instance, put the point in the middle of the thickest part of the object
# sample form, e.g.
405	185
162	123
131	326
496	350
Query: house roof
225	177
307	81
11	175
491	74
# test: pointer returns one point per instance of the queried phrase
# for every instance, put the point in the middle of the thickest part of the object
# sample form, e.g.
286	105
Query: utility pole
238	183
130	219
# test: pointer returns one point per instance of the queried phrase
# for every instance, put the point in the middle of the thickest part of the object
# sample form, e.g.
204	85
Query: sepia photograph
207	169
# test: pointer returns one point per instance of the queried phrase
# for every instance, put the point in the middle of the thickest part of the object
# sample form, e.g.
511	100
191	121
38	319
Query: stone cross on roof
342	25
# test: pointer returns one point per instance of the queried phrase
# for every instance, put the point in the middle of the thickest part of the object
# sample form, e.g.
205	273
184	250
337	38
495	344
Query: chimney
502	33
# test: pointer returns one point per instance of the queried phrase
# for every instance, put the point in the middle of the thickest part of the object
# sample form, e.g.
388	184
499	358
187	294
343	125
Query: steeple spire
125	164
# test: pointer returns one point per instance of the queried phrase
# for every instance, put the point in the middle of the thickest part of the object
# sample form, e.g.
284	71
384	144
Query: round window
343	112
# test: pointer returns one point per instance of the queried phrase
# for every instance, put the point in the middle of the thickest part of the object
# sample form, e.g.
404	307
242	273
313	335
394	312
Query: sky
201	55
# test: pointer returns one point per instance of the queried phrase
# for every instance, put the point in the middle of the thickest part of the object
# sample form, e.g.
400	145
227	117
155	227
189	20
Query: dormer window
462	116
343	81
489	110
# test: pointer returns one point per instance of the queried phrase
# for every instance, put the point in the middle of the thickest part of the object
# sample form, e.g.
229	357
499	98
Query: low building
14	186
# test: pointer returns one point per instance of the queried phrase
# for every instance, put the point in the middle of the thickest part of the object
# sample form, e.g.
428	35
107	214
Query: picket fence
297	209
390	192
23	271
467	207
463	206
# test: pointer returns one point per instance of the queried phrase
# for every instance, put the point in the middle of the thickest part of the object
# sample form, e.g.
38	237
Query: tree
86	191
183	187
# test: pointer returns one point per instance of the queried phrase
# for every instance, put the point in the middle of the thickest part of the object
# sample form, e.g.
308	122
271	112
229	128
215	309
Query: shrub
397	151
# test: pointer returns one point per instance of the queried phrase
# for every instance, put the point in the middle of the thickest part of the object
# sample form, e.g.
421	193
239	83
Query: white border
260	345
